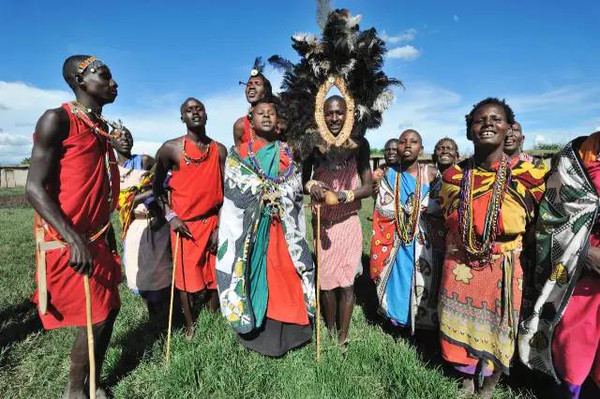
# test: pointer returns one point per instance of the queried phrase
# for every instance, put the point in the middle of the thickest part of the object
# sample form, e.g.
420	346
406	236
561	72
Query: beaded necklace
406	225
479	251
195	161
96	127
282	177
80	113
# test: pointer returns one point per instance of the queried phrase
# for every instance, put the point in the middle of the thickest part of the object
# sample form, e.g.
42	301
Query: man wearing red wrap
196	163
73	185
256	88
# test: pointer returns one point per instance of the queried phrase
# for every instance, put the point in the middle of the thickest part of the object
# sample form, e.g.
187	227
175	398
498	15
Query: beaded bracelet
348	196
309	185
170	215
149	200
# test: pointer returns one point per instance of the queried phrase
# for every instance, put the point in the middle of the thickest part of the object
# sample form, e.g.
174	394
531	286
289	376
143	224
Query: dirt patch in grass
13	201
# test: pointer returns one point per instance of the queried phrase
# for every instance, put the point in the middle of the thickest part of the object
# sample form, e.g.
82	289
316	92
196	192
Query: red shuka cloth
246	136
80	187
286	297
196	190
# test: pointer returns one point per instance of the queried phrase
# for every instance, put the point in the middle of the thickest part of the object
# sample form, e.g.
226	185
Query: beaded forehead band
91	62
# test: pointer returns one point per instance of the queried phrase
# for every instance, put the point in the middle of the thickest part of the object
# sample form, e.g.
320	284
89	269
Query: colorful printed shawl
567	215
243	237
386	248
126	197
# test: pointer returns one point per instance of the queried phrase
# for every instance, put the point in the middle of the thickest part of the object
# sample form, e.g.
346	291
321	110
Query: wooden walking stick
318	253
172	300
90	336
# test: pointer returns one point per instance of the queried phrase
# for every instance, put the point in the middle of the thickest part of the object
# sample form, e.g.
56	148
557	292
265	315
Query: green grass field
380	362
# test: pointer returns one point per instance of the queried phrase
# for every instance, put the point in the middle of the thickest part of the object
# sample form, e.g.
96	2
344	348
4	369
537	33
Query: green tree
549	146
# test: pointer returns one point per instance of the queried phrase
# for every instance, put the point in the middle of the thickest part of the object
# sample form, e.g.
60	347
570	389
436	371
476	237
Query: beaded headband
91	62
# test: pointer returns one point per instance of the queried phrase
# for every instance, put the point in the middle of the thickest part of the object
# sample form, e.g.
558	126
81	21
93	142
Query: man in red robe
196	163
256	88
73	185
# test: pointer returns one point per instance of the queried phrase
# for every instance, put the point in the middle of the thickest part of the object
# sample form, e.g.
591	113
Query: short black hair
440	141
510	115
266	83
186	101
335	97
390	141
274	101
70	68
413	131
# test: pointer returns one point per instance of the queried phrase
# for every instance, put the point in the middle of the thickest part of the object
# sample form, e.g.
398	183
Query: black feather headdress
343	51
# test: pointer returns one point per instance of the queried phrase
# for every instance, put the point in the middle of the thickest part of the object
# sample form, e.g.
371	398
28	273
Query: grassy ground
12	191
380	361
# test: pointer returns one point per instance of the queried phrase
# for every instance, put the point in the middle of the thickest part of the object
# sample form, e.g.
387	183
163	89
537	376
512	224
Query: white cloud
153	123
571	98
430	109
21	105
407	35
539	139
556	115
407	53
455	18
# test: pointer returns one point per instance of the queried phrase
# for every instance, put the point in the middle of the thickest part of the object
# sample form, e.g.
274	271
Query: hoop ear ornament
346	131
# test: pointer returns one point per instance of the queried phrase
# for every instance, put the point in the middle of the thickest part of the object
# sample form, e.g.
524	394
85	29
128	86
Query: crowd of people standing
494	256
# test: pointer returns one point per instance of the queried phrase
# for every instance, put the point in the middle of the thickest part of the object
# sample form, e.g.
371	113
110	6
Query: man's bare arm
165	160
51	129
364	171
238	132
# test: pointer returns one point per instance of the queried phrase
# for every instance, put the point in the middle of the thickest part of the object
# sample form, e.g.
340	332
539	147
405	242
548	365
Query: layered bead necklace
479	251
406	225
80	111
196	161
282	177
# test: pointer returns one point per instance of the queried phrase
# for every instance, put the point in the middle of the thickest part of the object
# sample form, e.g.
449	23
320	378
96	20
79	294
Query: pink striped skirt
341	250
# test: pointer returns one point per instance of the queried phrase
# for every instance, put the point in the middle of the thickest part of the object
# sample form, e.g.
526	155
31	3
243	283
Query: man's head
124	142
488	122
390	152
257	88
410	146
445	153
263	117
87	74
335	114
513	141
193	114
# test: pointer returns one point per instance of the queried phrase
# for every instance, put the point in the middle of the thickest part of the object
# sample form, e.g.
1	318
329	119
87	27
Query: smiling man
196	164
513	144
445	154
74	190
350	179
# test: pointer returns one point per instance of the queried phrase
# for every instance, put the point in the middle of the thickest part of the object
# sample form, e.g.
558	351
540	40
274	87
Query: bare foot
101	394
467	385
74	393
189	333
489	383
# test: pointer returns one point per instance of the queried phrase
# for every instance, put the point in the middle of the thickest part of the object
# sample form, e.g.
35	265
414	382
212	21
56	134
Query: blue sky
541	56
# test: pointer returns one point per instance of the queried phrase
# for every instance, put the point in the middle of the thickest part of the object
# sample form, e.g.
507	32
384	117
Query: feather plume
342	50
323	10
